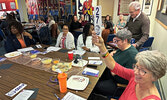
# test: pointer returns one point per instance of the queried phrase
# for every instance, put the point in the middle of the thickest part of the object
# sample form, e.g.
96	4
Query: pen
57	96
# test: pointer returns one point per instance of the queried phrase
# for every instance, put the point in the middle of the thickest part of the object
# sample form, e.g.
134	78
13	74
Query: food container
46	60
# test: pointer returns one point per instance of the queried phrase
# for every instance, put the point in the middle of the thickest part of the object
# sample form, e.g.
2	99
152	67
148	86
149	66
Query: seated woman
16	40
82	20
150	66
121	22
108	30
125	56
85	40
65	39
75	24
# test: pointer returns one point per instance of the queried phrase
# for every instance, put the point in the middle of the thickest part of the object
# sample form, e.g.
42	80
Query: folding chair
147	44
110	37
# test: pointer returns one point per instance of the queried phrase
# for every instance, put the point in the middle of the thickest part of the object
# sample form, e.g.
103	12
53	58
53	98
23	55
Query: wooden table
35	78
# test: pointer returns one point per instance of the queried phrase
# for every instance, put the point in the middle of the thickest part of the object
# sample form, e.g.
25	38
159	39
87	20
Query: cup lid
62	75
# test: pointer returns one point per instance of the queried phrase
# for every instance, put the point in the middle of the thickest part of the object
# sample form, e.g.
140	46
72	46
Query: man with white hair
138	23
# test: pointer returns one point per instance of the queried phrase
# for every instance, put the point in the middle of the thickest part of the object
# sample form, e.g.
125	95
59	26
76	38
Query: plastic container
46	60
62	77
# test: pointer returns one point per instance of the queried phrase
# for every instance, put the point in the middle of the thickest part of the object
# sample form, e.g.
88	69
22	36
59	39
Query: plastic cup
70	55
62	77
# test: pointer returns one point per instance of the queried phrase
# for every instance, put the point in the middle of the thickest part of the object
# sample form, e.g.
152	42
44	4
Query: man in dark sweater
138	23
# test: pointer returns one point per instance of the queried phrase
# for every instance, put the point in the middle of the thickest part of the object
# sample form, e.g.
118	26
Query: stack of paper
91	72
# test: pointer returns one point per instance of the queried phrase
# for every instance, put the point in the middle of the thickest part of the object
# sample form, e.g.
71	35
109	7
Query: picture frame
147	7
123	7
161	14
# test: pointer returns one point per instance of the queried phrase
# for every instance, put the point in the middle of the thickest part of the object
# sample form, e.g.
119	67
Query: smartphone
92	66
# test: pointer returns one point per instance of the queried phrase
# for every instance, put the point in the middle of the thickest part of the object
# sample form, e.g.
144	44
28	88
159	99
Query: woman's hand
97	40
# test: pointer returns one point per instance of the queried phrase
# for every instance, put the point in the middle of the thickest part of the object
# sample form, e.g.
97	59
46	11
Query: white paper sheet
95	58
51	48
24	95
95	62
72	96
16	90
25	49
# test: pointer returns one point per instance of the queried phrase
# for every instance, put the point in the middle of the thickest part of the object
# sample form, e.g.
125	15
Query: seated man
16	40
125	56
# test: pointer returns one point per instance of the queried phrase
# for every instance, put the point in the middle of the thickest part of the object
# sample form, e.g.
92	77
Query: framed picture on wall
123	7
161	15
147	6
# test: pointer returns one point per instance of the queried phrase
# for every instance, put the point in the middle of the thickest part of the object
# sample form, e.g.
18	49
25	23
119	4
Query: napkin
5	66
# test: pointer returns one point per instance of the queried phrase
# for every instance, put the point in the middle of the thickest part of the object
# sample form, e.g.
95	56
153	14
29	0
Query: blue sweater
12	43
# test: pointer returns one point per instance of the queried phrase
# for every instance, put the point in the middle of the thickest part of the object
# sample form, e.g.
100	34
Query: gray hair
153	61
124	34
135	4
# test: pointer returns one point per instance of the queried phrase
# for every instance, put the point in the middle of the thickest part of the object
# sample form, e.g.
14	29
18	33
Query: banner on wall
32	7
97	20
86	7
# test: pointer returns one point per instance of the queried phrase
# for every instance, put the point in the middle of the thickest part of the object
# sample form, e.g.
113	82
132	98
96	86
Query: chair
147	44
110	37
2	34
45	35
132	41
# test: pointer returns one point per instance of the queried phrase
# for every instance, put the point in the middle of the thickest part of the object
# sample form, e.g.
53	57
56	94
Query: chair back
148	43
110	37
132	41
45	35
2	34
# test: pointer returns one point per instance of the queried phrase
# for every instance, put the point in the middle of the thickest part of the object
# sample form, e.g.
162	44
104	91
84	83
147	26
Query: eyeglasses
65	28
141	72
116	41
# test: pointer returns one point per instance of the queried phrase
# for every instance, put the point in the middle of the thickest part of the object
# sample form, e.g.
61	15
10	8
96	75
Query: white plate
76	82
13	54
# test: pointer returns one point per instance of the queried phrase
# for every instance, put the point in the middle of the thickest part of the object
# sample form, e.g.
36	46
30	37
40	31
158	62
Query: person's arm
98	41
145	31
70	42
80	43
27	34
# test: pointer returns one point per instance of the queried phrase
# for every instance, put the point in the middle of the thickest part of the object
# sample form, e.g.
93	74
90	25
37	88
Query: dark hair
109	26
9	18
41	18
86	31
64	25
106	19
17	25
73	18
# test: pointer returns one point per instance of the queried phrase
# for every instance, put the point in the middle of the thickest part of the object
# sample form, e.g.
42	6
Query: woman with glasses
85	40
125	56
17	39
65	39
150	66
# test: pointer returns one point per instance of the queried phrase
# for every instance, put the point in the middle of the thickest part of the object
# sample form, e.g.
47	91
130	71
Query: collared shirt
136	16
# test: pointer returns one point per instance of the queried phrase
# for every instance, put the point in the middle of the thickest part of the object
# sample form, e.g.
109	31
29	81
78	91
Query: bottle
62	77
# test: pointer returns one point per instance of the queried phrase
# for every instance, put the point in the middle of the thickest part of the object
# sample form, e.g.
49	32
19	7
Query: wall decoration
161	15
147	6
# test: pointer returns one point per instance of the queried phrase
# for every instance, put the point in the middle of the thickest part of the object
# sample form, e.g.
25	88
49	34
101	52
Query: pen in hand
57	97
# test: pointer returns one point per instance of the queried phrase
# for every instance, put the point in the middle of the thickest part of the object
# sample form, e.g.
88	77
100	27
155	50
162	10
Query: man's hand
134	45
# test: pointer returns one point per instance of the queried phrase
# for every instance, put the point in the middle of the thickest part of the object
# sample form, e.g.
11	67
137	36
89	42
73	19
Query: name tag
16	90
